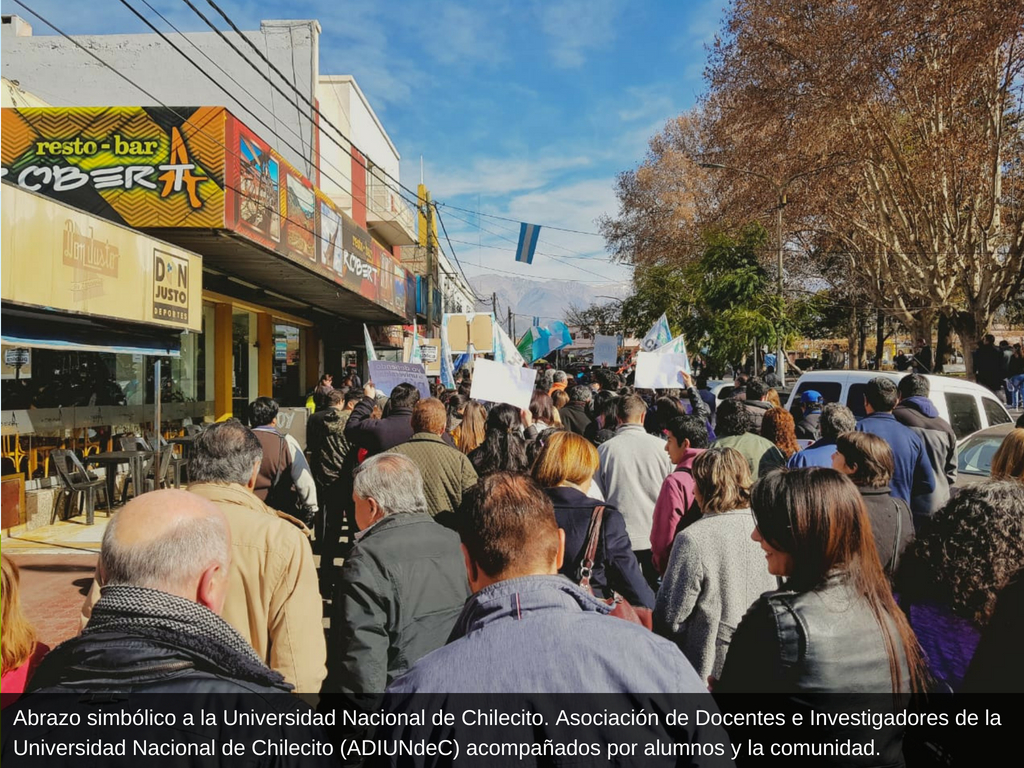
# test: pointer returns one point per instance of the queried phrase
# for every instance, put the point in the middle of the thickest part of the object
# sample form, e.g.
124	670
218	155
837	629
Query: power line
518	221
301	95
541	253
209	77
184	120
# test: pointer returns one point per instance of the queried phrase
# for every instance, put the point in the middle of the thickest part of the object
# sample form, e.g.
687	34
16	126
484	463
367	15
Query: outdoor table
136	461
186	442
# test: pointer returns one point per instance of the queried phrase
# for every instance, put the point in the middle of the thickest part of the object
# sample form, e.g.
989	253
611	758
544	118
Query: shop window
287	365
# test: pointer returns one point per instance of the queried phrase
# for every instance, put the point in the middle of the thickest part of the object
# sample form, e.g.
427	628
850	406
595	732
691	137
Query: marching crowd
607	539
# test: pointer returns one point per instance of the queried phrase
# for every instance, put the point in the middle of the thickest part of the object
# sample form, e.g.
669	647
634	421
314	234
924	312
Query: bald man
156	630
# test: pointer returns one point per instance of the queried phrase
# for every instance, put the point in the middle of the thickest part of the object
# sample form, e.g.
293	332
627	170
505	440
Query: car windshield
976	454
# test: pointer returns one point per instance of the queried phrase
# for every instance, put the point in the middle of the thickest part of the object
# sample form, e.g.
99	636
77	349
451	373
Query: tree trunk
966	327
943	344
852	338
879	339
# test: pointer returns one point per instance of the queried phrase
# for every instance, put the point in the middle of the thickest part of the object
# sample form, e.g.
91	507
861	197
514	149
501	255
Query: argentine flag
528	234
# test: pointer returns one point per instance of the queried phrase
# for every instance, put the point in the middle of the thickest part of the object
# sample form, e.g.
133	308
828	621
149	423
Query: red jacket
674	500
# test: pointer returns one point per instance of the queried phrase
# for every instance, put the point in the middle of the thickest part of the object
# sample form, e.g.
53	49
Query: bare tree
902	121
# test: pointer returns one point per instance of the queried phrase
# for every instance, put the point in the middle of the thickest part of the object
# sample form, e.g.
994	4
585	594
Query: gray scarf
178	622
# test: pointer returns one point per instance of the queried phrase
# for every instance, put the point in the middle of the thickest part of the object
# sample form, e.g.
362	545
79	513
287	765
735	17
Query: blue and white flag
528	235
371	354
415	355
505	349
447	370
560	335
658	336
677	347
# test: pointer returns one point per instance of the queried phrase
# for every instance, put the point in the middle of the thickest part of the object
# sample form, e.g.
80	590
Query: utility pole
494	306
510	321
431	261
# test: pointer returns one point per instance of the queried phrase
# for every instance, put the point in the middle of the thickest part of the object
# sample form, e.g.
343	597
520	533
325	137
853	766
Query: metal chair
77	484
134	443
175	464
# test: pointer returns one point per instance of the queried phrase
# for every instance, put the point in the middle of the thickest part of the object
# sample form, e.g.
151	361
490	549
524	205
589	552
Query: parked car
967	406
974	463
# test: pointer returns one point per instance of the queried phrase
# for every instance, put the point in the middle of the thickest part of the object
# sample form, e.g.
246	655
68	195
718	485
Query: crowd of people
470	546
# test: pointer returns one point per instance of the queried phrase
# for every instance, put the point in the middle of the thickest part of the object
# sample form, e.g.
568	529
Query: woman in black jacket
867	460
834	627
565	468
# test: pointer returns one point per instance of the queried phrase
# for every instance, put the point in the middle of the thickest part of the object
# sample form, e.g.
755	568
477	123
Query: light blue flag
415	355
560	333
371	354
659	335
677	346
447	370
528	235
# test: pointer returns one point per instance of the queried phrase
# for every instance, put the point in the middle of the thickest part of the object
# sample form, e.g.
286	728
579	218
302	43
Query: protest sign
502	383
658	370
606	350
386	376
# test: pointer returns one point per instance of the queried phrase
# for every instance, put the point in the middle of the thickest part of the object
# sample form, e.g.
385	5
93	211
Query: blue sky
525	109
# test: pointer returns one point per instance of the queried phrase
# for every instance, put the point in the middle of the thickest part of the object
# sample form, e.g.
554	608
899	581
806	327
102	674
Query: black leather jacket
109	671
825	641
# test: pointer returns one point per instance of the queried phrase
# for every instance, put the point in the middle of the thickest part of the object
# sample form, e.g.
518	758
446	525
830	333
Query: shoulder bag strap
593	534
895	559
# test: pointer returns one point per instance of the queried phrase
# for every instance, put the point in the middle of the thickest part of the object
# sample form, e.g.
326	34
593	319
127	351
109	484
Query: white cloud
467	35
500	176
576	28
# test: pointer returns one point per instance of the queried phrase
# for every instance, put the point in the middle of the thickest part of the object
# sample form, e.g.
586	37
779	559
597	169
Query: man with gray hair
574	414
401	587
835	420
273	597
157	629
273	594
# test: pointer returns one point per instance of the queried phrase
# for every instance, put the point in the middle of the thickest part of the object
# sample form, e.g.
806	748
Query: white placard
386	376
501	383
662	370
606	351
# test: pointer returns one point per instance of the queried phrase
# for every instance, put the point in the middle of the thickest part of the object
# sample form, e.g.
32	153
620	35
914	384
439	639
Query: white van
967	406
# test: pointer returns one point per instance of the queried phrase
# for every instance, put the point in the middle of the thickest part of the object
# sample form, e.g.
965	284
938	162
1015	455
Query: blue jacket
913	479
519	644
817	454
543	634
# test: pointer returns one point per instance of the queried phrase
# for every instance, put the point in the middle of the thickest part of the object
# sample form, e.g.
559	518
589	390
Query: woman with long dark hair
835	626
504	447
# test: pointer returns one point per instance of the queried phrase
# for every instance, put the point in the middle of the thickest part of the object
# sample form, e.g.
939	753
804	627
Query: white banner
502	383
386	376
606	351
660	370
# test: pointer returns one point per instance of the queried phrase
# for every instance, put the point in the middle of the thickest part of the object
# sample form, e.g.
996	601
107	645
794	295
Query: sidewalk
57	563
63	537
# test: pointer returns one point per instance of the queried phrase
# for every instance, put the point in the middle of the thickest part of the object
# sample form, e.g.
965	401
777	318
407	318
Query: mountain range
534	298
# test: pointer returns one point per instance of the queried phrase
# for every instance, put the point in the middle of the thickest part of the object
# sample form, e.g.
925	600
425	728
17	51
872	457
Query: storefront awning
31	328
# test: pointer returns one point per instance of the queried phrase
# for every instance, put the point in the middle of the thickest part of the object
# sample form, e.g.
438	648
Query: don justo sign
138	166
56	257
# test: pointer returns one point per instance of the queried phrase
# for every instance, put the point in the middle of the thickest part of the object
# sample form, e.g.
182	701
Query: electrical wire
244	90
301	95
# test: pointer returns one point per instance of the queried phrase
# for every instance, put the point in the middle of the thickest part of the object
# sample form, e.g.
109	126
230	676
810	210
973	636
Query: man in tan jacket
273	596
